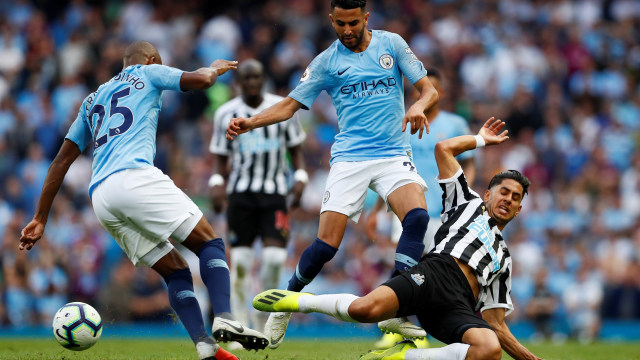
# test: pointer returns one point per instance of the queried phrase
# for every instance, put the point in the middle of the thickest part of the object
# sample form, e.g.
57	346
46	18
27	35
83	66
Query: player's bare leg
483	344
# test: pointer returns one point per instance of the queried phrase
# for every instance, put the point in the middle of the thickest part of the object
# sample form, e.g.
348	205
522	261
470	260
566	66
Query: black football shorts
255	214
438	293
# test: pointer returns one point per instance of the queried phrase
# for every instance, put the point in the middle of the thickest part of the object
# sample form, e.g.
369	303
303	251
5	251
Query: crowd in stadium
564	75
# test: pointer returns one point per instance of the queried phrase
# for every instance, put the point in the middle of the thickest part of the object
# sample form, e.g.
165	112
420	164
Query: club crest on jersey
306	75
386	61
418	278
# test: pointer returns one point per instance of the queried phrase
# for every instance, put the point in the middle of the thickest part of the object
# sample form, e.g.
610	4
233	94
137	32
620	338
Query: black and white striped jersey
469	234
258	157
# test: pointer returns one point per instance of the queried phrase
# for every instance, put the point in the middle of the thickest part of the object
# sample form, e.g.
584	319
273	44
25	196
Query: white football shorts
142	208
348	181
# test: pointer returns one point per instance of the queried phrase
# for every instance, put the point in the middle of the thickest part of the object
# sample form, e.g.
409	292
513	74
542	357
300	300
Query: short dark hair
348	4
511	174
435	73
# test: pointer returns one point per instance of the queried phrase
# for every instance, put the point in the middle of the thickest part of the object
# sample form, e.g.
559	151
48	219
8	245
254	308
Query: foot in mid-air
208	350
280	303
277	301
402	326
397	352
226	329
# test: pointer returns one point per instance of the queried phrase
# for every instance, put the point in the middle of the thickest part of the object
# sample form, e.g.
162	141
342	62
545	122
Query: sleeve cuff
507	307
304	106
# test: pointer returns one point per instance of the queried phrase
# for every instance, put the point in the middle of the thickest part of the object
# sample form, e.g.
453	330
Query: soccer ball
77	326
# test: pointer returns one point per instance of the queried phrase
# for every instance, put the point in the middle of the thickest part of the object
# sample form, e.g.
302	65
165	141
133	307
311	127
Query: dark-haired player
363	73
442	125
257	184
468	270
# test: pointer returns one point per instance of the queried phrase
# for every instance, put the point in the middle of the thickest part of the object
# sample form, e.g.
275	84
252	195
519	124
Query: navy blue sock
411	243
215	274
184	303
311	262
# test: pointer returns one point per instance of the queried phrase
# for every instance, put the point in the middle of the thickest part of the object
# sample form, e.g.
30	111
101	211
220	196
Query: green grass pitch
324	349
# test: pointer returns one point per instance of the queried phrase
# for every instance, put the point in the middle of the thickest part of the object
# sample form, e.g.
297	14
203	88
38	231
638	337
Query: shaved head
251	78
141	52
250	66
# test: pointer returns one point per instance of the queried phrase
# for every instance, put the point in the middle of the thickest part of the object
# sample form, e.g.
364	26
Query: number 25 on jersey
99	110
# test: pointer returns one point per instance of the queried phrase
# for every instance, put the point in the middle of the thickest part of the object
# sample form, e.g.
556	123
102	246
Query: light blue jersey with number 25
366	89
119	120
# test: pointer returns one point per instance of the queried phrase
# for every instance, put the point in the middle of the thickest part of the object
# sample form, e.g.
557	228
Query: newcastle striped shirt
258	157
469	234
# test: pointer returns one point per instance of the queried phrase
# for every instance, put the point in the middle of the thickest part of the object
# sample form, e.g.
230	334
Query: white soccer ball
77	326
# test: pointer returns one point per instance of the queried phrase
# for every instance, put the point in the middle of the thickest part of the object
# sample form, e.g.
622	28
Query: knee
364	311
417	219
488	350
171	263
216	244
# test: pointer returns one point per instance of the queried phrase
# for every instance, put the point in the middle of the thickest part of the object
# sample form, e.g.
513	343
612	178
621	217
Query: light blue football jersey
120	119
367	91
446	125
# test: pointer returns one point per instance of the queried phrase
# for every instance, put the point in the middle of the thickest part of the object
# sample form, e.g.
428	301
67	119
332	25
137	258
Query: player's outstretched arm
508	342
447	150
278	112
415	116
205	77
52	182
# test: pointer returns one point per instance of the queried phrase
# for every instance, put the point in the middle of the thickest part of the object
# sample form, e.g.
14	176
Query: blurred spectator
124	298
582	302
542	306
48	281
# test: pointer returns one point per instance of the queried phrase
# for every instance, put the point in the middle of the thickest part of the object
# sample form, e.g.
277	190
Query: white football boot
276	327
225	329
402	326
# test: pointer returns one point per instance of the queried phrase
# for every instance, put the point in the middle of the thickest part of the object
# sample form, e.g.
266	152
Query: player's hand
218	197
371	226
222	66
417	119
296	193
237	126
31	234
490	132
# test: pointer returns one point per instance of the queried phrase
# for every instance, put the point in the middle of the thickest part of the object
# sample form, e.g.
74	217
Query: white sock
273	259
336	305
240	274
456	351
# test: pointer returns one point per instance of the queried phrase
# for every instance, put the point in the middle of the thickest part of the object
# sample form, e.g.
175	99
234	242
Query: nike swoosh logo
238	329
276	340
342	72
